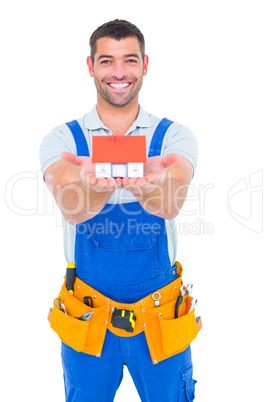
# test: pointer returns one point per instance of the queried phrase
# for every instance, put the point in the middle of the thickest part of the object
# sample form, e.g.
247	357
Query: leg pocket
187	389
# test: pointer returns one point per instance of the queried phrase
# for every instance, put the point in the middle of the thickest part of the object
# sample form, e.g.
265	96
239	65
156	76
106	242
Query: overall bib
123	253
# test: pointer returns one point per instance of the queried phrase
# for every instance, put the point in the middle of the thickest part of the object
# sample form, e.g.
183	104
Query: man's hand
87	173
154	174
163	189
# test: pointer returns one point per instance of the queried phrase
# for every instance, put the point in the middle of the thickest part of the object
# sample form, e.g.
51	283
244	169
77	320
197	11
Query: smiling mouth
119	85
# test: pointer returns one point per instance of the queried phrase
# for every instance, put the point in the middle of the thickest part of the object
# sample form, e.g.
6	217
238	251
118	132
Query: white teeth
117	85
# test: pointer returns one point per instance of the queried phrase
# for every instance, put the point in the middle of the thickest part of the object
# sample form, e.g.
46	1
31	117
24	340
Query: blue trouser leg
90	378
162	382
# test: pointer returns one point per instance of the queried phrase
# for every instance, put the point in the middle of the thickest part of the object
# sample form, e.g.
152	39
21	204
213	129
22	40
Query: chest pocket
124	241
129	258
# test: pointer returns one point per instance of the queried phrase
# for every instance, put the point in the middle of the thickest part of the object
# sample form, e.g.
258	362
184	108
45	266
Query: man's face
118	70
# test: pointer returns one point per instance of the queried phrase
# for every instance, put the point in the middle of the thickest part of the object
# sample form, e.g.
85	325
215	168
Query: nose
119	70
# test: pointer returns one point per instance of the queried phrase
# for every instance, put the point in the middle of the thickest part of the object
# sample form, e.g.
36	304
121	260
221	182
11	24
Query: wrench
190	288
194	303
156	298
183	290
60	306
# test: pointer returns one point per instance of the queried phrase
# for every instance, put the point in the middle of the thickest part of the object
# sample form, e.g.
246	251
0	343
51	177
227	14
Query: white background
208	70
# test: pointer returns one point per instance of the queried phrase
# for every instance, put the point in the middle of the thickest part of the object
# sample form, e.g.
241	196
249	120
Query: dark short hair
116	29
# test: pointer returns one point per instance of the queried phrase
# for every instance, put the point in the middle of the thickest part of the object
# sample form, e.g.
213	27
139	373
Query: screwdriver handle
177	306
70	277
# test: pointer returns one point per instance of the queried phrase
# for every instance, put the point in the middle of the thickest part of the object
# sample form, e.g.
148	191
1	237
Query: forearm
165	190
75	197
79	203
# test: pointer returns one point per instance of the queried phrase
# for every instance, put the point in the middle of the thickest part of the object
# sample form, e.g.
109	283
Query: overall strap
79	138
158	136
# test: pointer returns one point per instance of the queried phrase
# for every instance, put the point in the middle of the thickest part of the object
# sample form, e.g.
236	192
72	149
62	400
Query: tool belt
81	319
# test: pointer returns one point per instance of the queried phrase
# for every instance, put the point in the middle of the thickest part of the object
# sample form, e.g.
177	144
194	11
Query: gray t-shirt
178	139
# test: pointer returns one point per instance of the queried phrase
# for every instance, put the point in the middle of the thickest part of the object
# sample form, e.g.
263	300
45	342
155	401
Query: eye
105	61
132	61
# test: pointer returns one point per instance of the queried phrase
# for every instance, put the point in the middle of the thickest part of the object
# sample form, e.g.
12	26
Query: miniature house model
119	156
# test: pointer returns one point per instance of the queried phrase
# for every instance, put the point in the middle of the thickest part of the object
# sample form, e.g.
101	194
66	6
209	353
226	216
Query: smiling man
118	75
119	232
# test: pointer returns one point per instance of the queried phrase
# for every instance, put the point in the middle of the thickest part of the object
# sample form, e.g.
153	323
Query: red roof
119	149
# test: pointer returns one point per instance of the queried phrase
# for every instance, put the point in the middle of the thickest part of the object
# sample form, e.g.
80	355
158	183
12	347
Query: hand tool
87	300
70	277
183	290
190	288
57	304
177	306
194	303
124	319
60	306
156	297
85	316
188	304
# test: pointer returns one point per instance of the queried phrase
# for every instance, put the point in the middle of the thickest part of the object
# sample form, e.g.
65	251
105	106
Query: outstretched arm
163	189
81	196
78	193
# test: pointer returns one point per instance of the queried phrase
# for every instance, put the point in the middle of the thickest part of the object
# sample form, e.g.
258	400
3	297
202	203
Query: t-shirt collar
93	121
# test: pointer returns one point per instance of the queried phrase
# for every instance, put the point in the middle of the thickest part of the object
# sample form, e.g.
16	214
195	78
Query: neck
118	119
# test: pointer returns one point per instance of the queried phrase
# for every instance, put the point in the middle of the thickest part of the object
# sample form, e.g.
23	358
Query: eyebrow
107	56
132	55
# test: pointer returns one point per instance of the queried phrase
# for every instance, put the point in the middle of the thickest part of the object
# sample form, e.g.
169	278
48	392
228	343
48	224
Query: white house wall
135	170
103	170
119	170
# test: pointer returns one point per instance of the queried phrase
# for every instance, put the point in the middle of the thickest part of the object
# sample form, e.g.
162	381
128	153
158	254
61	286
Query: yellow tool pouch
165	335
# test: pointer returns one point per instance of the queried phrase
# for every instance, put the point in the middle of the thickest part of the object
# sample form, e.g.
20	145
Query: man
120	231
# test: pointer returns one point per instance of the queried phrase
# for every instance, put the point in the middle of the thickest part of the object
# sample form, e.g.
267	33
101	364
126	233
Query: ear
90	66
145	65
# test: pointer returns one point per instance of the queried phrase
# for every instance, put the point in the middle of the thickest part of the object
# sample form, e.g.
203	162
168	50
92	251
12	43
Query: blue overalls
123	253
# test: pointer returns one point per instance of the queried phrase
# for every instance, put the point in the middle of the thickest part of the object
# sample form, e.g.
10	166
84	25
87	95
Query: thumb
171	159
72	158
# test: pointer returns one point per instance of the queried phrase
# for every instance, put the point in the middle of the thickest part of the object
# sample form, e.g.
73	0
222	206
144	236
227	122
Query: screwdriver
177	306
70	277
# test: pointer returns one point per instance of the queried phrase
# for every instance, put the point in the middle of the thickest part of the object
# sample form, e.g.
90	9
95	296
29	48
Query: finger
105	184
119	181
71	158
102	182
150	177
141	181
99	187
125	181
93	180
132	180
111	182
171	159
154	164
